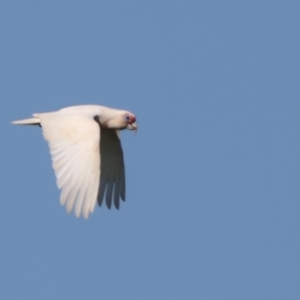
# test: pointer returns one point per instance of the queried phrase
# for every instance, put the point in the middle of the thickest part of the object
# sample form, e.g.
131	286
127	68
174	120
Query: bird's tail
31	121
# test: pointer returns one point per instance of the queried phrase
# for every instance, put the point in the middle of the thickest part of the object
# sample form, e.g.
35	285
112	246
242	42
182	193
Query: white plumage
86	154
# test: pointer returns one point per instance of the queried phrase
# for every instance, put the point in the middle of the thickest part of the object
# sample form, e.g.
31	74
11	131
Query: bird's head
119	120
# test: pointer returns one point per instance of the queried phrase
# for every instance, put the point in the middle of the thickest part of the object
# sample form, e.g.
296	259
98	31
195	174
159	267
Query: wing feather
82	193
109	191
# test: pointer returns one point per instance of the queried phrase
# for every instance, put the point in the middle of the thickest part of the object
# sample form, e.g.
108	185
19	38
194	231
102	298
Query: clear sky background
213	175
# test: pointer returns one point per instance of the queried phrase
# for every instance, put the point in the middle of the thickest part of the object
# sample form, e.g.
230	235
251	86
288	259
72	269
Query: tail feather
31	121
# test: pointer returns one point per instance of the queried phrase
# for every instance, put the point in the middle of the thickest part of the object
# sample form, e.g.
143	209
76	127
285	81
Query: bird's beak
132	126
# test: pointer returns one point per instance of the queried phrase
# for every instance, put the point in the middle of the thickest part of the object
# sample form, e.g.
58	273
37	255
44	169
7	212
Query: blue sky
212	209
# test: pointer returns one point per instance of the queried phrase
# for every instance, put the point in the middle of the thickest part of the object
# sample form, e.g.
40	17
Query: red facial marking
132	119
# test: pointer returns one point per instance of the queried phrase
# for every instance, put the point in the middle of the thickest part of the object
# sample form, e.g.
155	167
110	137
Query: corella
86	153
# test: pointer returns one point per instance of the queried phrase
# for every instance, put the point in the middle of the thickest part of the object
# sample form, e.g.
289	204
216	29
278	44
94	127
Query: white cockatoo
86	154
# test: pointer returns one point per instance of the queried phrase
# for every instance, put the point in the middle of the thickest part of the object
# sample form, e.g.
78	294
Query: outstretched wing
112	169
74	147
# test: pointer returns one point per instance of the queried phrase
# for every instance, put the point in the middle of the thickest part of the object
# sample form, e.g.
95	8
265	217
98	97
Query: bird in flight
86	153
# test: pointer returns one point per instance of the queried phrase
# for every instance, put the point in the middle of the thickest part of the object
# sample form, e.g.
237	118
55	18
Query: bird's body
86	153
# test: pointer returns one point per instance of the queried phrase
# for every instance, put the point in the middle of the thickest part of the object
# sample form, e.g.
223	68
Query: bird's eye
127	118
